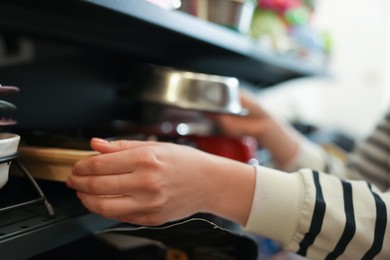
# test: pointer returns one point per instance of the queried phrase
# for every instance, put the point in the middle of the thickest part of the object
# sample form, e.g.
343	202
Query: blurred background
357	92
350	38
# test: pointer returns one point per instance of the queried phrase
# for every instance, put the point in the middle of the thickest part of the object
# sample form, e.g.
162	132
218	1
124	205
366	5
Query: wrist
232	190
280	140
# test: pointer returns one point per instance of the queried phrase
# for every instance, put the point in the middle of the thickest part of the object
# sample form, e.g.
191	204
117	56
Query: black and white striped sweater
342	214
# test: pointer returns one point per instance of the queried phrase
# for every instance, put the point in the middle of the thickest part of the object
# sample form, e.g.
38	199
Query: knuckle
149	159
152	168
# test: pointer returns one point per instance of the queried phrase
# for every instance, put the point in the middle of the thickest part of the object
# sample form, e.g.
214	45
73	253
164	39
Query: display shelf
76	51
30	230
214	48
143	30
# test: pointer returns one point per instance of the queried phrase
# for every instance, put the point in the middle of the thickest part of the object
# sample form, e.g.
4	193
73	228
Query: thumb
105	146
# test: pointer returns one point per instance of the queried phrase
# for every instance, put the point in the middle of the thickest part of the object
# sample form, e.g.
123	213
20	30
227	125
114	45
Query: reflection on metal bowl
234	14
186	90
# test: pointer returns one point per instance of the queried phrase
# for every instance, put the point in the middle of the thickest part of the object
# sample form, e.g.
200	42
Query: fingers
122	208
104	185
104	146
124	184
117	157
111	163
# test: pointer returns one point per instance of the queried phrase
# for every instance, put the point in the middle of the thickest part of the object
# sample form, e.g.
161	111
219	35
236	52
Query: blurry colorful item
305	36
310	3
284	5
306	40
286	26
279	5
297	16
268	28
266	22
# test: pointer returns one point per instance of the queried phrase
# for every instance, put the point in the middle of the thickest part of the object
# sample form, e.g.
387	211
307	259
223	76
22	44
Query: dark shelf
82	52
138	28
28	231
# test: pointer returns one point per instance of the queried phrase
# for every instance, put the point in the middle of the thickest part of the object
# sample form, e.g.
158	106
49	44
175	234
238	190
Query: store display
286	27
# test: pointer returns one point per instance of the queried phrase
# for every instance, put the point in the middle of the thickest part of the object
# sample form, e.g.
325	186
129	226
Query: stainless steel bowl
234	14
186	90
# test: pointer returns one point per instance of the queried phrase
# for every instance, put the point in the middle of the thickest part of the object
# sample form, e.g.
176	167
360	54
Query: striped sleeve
370	160
320	216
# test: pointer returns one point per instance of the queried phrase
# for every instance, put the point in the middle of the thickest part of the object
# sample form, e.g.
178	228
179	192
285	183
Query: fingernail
100	140
68	182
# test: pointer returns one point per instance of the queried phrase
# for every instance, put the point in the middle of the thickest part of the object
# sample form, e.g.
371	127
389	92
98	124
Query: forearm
230	185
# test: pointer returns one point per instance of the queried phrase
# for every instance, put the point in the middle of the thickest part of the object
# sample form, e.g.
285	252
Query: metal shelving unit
28	231
155	35
132	30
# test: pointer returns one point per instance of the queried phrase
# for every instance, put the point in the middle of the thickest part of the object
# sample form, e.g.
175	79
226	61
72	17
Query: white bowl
9	144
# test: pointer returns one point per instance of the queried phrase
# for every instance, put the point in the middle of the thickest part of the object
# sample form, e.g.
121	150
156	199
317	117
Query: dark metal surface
138	28
28	231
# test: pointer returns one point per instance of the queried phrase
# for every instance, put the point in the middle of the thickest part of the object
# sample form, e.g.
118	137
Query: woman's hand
151	183
254	124
272	134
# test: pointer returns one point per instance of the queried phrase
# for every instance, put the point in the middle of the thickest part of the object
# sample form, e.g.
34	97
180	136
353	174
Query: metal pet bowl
233	14
186	90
